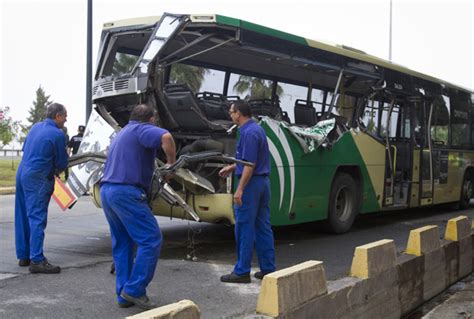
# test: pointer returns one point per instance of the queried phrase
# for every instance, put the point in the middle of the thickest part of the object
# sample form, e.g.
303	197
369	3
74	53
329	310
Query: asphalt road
79	241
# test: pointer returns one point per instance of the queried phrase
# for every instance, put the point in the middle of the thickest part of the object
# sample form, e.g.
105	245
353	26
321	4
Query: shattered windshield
123	52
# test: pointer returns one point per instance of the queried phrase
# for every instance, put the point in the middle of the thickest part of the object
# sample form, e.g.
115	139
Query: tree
38	110
256	88
188	74
124	64
7	127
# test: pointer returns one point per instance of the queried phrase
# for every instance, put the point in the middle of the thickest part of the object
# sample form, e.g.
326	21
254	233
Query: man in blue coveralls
127	177
44	155
251	198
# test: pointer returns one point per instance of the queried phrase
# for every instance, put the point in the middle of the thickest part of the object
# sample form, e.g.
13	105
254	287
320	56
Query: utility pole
390	35
89	61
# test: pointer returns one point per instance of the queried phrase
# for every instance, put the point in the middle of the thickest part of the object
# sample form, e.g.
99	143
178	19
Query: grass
7	173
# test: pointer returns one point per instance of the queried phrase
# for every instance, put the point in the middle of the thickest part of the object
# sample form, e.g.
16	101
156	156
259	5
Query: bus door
425	150
399	152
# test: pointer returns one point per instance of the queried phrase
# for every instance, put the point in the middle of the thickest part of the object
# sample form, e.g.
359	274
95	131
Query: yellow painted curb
372	259
184	309
457	229
289	288
423	240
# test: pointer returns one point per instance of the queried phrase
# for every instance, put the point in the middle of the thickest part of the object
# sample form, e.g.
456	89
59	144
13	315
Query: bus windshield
123	52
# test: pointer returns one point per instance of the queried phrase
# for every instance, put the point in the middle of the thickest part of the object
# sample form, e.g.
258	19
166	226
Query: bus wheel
342	203
466	193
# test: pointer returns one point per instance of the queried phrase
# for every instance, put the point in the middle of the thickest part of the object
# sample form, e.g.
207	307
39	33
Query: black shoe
261	274
23	262
44	267
125	304
232	277
141	302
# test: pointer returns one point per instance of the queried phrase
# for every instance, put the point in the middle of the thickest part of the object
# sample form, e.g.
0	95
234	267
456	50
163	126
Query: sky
44	42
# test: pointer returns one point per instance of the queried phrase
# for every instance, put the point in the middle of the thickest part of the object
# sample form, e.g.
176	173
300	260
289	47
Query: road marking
6	276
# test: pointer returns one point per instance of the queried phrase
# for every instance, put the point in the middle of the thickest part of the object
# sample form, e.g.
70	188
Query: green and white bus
349	133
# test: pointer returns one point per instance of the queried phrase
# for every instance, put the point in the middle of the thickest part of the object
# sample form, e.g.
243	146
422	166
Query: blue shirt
253	147
132	154
44	149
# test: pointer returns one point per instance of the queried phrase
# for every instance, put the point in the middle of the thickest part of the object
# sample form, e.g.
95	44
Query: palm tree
255	88
188	74
124	63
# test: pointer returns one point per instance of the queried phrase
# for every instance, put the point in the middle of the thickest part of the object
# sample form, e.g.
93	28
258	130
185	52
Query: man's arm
244	179
61	157
224	172
169	147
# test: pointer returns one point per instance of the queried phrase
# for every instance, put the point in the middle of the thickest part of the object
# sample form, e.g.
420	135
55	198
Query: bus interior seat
265	107
184	109
214	105
305	113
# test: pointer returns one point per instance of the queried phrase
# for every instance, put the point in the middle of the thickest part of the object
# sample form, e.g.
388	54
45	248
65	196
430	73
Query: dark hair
243	107
55	109
142	113
81	128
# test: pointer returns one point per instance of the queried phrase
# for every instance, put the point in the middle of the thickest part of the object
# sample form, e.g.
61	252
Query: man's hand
238	197
226	171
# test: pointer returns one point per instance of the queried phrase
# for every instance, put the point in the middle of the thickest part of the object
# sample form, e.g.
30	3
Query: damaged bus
348	133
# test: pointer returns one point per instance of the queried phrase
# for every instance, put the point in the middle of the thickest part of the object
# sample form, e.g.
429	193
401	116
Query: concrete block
457	228
334	304
289	288
374	258
410	282
434	277
376	297
350	297
451	257
184	309
423	240
466	263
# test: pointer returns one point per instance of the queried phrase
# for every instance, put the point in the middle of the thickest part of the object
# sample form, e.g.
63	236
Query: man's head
81	129
240	112
57	112
143	113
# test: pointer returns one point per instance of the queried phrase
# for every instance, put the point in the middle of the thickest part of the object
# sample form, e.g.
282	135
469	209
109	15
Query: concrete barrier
459	230
291	287
374	258
382	285
184	309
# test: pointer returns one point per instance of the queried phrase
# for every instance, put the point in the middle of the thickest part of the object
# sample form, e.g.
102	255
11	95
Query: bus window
370	116
251	88
393	121
440	122
459	120
124	52
291	93
197	78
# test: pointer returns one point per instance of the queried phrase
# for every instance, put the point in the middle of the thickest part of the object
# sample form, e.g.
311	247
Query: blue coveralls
44	151
127	177
252	227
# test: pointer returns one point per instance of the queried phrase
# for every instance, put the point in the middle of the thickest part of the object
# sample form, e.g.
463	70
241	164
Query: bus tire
343	203
466	192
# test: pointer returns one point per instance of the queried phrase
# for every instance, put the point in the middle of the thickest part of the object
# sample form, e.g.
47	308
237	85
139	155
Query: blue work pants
33	193
131	223
253	228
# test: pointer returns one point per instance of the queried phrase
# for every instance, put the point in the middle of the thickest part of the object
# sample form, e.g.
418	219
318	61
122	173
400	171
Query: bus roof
322	45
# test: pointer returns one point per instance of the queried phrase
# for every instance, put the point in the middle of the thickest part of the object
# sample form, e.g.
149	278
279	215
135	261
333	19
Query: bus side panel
449	168
301	182
373	156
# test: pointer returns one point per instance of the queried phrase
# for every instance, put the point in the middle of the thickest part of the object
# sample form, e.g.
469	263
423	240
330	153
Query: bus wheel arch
344	199
467	188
